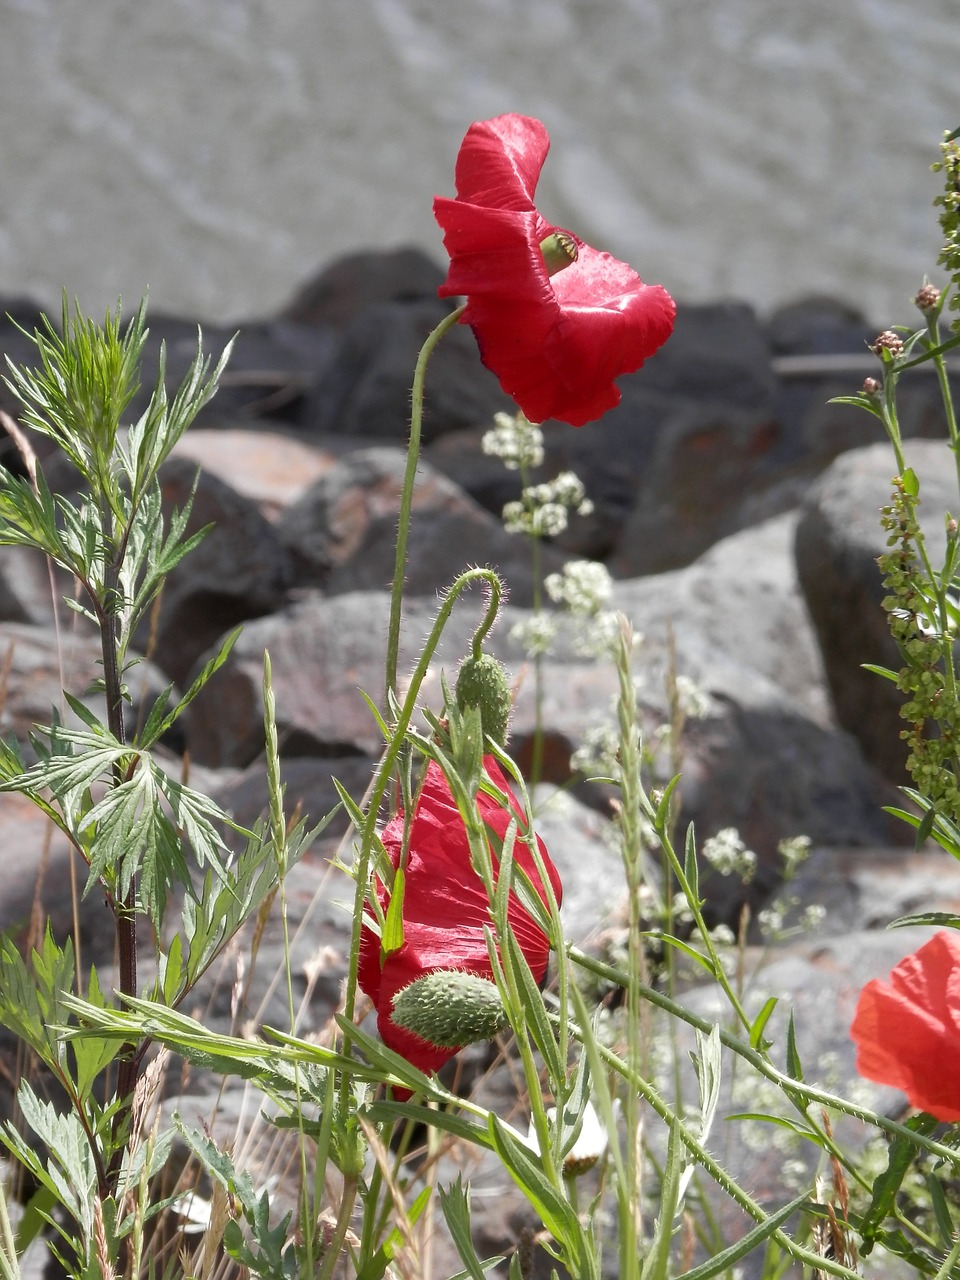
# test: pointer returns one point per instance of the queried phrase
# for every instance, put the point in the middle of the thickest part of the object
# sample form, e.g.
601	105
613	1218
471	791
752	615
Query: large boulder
838	541
239	570
342	532
365	390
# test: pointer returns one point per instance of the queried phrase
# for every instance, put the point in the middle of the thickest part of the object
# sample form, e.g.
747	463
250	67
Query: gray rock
738	622
837	544
342	533
323	652
39	662
239	570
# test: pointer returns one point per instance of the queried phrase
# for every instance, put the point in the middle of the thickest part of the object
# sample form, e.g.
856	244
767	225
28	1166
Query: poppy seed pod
450	1008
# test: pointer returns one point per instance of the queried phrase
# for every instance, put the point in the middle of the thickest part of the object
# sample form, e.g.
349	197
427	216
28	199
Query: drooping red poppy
908	1031
445	906
556	342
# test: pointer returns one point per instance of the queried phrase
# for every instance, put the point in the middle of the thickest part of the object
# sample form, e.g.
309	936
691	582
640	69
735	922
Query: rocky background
738	512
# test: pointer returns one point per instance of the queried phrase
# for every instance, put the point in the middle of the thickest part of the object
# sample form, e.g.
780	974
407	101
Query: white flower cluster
694	702
515	441
583	586
544	508
793	850
535	634
728	855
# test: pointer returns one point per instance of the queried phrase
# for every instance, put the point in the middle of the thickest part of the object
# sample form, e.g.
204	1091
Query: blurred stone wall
218	151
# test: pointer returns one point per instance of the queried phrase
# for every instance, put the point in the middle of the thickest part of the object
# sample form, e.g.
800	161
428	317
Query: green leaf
525	1168
886	1185
937	919
455	1205
702	960
376	1266
467	1128
760	1021
656	1265
161	718
880	671
794	1066
726	1259
782	1122
91	1055
391	935
941	1211
691	867
534	1009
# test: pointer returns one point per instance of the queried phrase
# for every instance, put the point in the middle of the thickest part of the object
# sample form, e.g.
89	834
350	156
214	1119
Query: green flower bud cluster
949	204
932	734
450	1008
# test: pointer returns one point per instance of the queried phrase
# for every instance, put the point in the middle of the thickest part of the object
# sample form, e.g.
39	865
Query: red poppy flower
445	907
908	1032
556	342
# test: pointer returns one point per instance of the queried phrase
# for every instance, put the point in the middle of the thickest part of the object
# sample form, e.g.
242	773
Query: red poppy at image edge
556	342
445	906
907	1031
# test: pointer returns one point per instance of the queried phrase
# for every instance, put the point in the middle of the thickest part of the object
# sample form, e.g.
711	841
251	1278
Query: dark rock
702	462
460	456
365	391
718	354
838	541
818	325
240	570
343	531
341	291
273	366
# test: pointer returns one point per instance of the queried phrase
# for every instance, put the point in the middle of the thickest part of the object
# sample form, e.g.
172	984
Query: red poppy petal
445	907
906	1032
493	251
500	160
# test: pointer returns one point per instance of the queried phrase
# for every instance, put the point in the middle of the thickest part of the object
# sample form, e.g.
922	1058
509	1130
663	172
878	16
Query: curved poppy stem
406	501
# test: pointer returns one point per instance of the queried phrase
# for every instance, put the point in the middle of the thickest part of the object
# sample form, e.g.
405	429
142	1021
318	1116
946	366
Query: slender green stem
797	1091
406	500
949	1262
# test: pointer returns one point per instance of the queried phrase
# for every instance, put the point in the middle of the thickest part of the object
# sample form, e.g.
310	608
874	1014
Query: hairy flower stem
406	501
799	1093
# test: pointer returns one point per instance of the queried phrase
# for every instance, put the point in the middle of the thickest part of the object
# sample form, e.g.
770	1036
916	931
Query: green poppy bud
482	683
559	251
450	1008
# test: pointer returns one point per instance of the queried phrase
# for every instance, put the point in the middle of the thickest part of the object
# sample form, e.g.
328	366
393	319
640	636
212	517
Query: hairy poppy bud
482	683
450	1008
